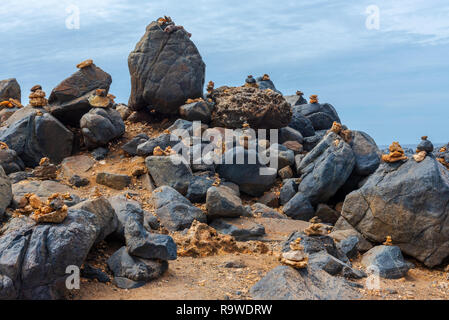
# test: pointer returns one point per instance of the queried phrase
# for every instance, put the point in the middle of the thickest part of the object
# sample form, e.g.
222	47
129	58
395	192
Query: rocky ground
108	188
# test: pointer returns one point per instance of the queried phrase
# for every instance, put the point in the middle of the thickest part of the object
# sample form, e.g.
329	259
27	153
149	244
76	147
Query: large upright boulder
166	69
261	109
9	88
325	169
367	154
68	101
101	125
34	137
407	201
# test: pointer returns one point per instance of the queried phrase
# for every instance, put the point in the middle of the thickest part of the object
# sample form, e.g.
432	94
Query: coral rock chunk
396	153
85	64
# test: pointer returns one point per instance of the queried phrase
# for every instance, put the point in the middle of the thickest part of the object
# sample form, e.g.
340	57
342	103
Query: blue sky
392	83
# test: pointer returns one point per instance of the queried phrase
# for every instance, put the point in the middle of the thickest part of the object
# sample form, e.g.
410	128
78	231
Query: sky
383	64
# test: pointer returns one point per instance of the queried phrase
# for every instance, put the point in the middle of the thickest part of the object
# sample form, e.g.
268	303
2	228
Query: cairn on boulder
396	153
296	257
166	69
313	98
424	147
251	82
37	97
9	88
100	99
54	210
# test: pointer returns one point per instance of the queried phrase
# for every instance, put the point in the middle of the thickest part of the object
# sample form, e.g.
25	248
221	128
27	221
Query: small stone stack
100	99
296	257
37	97
251	82
396	153
313	99
424	147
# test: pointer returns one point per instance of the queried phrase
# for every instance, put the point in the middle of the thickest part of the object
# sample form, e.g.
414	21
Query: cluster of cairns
356	198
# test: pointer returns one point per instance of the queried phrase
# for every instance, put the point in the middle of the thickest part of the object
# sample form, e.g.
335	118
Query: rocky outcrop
261	109
35	136
166	69
5	192
9	88
100	125
407	201
367	154
10	161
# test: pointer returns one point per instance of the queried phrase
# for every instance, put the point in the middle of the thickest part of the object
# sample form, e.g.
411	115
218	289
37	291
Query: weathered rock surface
35	137
248	177
166	69
367	154
286	283
10	161
5	192
9	88
196	111
299	208
174	211
325	169
407	201
222	202
260	109
173	171
69	99
43	189
386	262
100	125
39	273
240	231
123	265
113	180
300	123
322	116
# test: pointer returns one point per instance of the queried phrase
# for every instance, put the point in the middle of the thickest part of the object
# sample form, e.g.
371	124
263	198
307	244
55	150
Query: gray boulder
367	154
125	210
166	69
240	231
143	244
101	125
41	274
68	101
173	171
386	262
5	192
10	161
288	190
163	141
322	116
407	201
174	211
196	111
300	123
198	187
263	211
34	137
299	208
113	180
9	88
131	146
289	134
286	283
222	202
324	261
295	100
123	265
253	179
325	169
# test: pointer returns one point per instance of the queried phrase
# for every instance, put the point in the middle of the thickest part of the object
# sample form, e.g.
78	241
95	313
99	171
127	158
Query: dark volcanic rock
260	109
69	100
9	88
386	262
367	154
166	69
299	208
35	137
407	201
174	211
248	231
325	169
10	161
113	180
39	273
196	111
131	146
253	179
101	125
198	188
222	202
173	171
123	265
322	116
5	192
300	123
286	283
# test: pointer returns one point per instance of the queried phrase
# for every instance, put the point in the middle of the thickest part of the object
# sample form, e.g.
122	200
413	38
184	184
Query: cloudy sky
391	81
